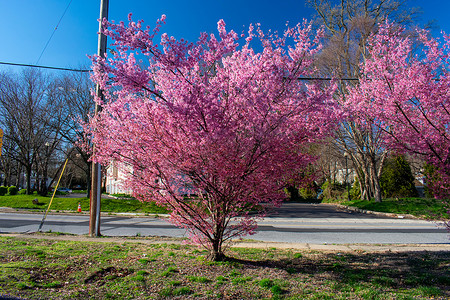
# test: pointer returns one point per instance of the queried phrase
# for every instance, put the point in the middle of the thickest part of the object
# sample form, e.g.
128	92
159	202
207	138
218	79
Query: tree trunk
375	182
367	185
19	175
8	177
216	253
44	187
37	181
88	185
28	170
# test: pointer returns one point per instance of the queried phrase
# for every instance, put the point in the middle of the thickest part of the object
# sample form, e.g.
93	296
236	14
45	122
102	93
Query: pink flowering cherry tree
407	94
212	130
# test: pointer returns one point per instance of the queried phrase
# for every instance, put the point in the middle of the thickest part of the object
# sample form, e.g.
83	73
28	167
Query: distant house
116	174
115	178
345	176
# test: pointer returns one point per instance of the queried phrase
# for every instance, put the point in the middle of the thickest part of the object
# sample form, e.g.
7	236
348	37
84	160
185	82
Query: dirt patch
107	273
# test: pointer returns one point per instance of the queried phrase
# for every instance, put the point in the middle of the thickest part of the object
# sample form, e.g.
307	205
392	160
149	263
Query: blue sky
26	25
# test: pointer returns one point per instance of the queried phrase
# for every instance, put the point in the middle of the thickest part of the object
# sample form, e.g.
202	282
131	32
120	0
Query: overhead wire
44	67
51	36
87	70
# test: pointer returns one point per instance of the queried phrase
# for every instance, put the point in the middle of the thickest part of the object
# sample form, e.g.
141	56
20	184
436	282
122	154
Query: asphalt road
293	223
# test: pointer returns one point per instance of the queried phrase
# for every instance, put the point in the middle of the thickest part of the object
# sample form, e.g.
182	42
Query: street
292	223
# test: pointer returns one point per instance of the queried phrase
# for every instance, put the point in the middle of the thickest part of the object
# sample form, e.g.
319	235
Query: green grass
79	191
420	207
61	203
44	268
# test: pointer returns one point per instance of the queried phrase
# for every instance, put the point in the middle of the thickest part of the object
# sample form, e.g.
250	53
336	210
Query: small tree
397	179
210	130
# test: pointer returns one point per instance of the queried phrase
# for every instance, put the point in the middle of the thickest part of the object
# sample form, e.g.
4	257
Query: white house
115	177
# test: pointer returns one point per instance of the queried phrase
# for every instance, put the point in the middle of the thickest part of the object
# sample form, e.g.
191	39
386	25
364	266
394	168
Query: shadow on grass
428	270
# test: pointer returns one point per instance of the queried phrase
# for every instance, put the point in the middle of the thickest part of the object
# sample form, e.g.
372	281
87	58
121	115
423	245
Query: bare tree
28	114
75	90
348	25
8	164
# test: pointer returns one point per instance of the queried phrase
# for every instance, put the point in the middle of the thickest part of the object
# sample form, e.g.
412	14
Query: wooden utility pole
96	189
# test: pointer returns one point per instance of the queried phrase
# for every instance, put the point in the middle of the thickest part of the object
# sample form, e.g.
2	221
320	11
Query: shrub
293	193
22	192
396	178
333	192
12	190
3	190
306	194
355	191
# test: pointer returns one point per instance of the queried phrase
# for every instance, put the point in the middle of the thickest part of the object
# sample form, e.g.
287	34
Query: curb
371	248
370	212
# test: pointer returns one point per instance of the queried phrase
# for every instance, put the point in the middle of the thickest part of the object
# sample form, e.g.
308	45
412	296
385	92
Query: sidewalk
371	248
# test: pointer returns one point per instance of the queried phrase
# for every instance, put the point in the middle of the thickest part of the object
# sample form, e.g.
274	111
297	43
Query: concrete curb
369	212
371	248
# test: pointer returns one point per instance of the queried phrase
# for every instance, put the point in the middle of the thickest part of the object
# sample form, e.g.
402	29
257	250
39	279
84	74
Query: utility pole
96	189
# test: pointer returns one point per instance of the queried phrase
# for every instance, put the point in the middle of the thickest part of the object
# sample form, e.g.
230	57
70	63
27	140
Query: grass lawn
67	269
61	203
420	207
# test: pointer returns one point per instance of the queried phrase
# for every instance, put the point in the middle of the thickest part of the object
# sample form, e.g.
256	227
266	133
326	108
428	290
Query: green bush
3	190
22	192
396	178
334	192
355	191
292	193
308	194
305	194
12	190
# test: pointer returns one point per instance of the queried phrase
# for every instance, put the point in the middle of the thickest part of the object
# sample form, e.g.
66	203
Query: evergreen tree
397	179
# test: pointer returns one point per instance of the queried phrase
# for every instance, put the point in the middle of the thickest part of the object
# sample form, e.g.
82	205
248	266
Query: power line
44	67
54	30
85	71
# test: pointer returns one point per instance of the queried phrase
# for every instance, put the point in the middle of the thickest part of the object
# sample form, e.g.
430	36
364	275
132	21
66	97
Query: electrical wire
44	67
85	70
48	42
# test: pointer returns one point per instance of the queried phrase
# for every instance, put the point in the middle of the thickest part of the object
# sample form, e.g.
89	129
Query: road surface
293	223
